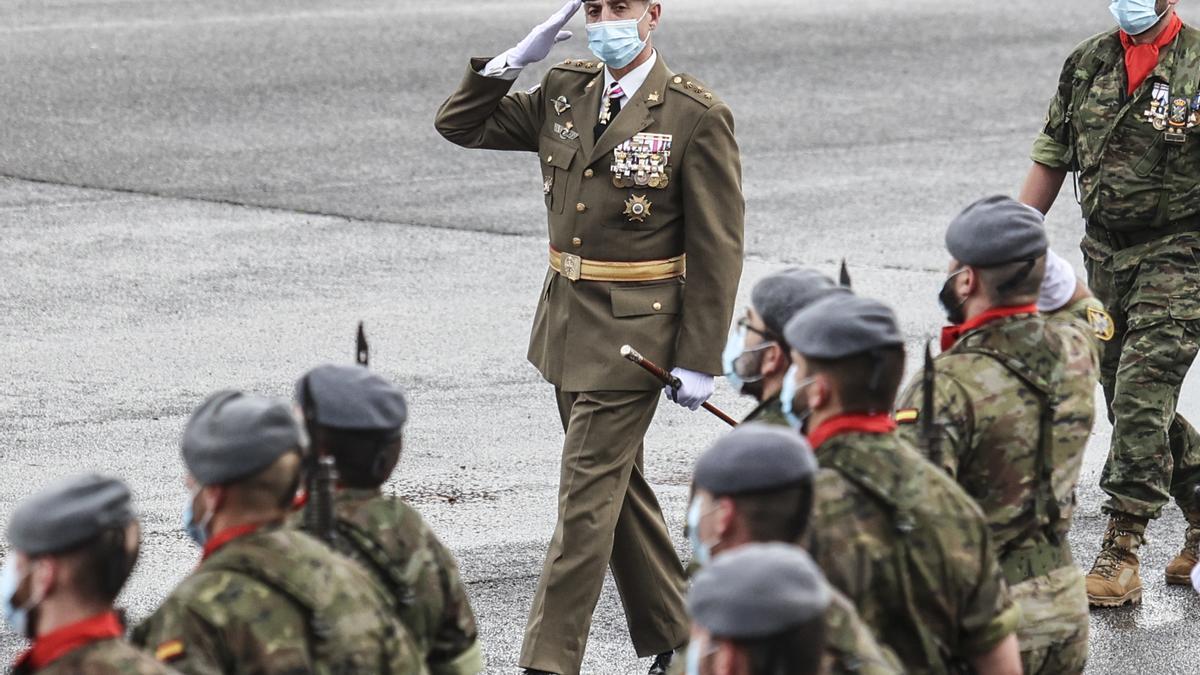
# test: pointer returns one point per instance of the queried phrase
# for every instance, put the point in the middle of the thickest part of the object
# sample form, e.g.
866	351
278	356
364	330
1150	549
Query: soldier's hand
694	390
536	46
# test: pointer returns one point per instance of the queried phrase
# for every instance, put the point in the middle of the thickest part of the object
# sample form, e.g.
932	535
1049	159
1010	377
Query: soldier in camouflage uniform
357	417
756	356
892	532
72	546
266	598
755	485
1124	121
1012	411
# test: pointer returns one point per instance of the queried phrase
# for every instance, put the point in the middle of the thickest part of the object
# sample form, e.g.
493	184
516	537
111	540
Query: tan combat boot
1179	570
1114	579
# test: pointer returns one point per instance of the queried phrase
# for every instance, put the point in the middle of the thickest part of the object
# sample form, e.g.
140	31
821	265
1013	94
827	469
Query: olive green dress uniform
608	515
1014	402
391	540
279	601
1138	167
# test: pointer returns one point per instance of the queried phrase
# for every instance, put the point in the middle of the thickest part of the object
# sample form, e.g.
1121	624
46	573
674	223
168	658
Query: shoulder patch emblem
169	651
1102	324
907	416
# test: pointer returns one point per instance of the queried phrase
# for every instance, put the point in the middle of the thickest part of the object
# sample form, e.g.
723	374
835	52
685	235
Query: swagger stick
667	379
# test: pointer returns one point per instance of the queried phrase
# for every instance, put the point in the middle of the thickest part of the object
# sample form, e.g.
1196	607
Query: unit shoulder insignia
1102	323
694	88
907	416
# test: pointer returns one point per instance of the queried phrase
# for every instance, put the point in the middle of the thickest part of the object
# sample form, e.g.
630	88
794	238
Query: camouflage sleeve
455	648
1054	146
989	614
954	421
180	638
1089	317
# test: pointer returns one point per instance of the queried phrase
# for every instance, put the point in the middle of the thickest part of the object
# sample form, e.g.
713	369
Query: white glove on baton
537	45
695	389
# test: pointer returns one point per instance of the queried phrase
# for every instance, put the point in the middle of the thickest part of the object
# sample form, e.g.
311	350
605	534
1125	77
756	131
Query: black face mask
950	302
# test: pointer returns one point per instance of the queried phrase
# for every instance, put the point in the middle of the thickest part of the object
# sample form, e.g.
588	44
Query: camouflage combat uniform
769	411
275	600
911	550
392	541
1014	402
1141	198
94	646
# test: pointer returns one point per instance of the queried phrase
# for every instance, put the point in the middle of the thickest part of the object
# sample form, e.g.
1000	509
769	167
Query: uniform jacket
911	550
580	326
1130	178
990	419
106	657
391	540
279	601
769	411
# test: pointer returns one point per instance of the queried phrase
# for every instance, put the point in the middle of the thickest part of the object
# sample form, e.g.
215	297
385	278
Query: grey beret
755	457
352	397
758	590
68	514
778	296
996	231
233	435
842	326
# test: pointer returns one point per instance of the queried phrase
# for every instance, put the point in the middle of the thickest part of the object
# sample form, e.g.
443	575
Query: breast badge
643	161
637	208
1160	100
1177	121
561	106
566	131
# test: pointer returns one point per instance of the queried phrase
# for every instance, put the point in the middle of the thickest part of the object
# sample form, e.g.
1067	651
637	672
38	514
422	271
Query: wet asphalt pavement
205	195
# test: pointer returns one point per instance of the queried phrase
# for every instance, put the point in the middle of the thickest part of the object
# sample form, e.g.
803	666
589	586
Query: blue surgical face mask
787	398
1135	16
701	552
197	531
17	618
735	349
693	660
617	43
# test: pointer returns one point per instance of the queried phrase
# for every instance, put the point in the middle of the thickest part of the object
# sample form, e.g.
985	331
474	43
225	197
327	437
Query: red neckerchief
865	423
951	334
227	535
1141	59
54	645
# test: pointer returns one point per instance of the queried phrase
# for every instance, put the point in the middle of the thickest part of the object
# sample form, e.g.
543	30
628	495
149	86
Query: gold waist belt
575	268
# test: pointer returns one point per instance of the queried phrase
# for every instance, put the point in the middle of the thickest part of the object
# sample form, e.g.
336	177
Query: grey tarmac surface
205	195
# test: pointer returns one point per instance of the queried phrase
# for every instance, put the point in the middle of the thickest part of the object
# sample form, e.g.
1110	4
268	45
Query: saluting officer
642	182
1124	120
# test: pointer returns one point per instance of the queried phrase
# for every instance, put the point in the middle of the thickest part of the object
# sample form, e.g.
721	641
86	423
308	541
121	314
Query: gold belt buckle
572	266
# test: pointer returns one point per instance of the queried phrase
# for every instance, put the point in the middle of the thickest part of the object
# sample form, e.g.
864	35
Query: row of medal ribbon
643	161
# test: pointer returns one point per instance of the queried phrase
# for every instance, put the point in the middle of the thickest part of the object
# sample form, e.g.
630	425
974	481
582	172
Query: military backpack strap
399	579
1046	508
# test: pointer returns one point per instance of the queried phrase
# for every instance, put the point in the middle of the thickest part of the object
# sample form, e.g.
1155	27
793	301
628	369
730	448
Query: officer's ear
820	392
655	14
213	497
776	360
726	516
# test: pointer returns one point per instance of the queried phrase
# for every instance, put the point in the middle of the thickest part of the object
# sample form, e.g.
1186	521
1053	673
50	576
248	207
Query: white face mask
1136	16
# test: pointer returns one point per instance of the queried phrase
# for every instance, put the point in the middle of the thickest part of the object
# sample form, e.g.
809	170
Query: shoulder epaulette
579	66
686	84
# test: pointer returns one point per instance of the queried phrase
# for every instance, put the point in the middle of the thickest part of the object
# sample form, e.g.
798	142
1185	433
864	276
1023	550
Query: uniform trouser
1152	292
607	516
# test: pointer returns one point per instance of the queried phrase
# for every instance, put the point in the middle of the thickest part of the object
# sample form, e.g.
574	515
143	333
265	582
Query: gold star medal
637	208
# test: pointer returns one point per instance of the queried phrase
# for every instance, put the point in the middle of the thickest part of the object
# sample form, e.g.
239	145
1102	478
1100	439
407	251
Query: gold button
657	306
577	242
589	173
708	97
549	158
581	207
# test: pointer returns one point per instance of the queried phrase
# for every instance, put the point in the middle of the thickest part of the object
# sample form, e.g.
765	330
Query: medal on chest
643	161
1160	99
1177	121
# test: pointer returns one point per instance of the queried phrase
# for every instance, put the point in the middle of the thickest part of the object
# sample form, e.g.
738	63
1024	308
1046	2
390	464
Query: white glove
695	389
1059	285
536	46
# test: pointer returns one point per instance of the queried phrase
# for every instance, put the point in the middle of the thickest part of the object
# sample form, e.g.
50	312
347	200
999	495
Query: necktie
609	109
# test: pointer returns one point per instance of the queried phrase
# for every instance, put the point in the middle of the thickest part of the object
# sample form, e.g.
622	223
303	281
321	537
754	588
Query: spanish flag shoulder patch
169	651
907	415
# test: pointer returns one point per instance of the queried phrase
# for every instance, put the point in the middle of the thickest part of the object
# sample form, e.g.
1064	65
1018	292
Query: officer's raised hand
694	389
537	45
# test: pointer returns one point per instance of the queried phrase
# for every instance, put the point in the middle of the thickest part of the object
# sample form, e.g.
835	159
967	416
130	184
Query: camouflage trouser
1053	632
1153	293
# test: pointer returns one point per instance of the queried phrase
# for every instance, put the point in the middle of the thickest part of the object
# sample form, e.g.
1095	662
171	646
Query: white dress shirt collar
633	80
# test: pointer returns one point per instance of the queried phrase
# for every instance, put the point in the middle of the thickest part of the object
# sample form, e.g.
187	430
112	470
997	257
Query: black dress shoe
662	663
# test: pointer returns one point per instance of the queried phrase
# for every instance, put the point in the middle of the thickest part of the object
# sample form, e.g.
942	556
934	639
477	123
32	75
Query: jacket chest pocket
556	157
